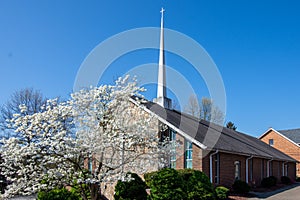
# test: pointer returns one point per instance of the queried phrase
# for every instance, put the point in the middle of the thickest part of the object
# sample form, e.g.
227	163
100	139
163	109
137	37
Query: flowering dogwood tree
106	125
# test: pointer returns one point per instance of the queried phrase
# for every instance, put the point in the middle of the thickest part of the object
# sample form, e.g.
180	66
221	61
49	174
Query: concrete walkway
291	192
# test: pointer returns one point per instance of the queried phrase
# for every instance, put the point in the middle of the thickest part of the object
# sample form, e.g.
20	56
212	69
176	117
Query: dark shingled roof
292	134
228	140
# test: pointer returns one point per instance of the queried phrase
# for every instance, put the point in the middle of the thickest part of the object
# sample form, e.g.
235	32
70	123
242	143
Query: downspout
247	168
268	167
210	165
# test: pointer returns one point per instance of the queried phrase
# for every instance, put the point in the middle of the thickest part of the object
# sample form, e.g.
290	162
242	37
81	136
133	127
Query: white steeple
161	98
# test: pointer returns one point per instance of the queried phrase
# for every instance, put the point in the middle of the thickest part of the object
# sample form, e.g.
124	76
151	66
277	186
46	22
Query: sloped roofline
199	144
272	129
186	136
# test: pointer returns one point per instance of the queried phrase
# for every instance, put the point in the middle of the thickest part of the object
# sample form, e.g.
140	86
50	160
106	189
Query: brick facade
257	167
284	145
180	152
227	168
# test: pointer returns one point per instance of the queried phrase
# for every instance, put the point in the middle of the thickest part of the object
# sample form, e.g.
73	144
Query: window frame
90	164
237	170
188	163
217	168
173	150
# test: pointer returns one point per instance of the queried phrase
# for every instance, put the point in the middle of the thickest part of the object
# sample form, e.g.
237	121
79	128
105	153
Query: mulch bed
240	196
261	189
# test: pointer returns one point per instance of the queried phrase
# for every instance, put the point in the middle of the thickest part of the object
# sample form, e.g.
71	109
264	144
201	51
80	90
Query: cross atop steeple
161	98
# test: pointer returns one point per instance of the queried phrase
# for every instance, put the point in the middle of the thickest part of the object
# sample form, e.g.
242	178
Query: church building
223	154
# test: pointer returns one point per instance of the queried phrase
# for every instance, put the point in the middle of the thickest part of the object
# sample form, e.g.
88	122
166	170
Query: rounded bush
196	185
134	189
222	192
298	179
240	187
58	194
185	184
269	182
285	180
166	184
148	178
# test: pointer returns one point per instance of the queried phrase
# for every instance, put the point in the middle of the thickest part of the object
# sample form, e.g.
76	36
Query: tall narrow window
286	169
188	154
173	150
271	142
217	168
237	169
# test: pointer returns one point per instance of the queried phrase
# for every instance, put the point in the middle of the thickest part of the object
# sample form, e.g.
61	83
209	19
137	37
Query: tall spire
161	98
161	88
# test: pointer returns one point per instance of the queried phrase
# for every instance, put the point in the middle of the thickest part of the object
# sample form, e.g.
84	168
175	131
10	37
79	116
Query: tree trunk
95	192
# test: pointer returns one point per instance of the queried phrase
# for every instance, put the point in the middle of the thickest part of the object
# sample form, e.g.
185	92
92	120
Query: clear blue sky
255	44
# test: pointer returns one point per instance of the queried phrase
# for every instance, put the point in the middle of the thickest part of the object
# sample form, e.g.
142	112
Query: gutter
254	156
210	165
247	168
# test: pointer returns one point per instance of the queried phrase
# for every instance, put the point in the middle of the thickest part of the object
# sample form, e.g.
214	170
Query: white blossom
100	123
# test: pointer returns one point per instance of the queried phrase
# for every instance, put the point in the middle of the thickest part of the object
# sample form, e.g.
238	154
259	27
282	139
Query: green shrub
269	182
166	184
298	179
182	184
240	187
58	194
148	178
196	185
134	189
285	180
222	192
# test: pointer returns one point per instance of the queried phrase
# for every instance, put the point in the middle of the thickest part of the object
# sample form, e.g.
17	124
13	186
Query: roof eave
255	156
186	136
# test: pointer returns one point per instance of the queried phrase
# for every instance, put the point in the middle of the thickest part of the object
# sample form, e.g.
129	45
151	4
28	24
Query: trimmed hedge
166	184
197	185
269	182
285	180
222	192
148	178
240	187
187	184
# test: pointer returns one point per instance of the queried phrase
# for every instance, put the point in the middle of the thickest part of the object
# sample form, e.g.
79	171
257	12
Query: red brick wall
283	145
276	169
227	168
205	163
197	158
180	152
258	172
291	171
